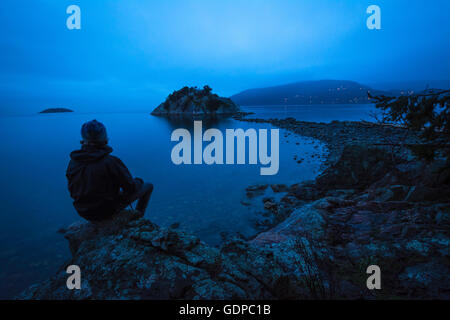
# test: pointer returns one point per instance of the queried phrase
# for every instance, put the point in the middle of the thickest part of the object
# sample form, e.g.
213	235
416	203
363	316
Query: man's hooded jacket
98	182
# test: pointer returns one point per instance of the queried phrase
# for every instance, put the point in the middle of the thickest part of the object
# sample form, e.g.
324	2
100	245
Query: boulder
256	190
277	188
358	167
305	191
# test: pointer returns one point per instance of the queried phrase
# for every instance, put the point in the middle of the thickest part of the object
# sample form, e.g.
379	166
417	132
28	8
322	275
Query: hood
90	153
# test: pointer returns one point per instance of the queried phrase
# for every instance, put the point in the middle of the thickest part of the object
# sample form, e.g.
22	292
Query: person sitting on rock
99	183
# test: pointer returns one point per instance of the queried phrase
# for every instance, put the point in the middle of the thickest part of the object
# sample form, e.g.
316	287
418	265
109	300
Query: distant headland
306	93
194	101
56	110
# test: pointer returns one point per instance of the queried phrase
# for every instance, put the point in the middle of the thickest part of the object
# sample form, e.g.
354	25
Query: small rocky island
56	110
194	101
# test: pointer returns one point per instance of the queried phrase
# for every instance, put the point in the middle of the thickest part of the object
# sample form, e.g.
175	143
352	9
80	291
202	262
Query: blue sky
130	54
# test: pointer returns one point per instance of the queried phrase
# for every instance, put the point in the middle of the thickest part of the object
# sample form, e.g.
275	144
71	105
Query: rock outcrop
193	101
370	209
131	258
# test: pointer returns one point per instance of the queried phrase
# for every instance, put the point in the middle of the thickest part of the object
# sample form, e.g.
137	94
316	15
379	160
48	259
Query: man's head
94	133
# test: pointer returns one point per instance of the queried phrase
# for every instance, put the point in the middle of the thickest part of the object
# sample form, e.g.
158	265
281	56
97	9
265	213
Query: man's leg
144	197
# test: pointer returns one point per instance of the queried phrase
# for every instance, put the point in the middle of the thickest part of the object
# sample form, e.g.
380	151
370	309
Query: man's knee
148	187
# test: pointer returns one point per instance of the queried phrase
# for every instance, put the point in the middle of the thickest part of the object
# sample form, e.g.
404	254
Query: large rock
358	167
193	101
396	236
306	220
131	258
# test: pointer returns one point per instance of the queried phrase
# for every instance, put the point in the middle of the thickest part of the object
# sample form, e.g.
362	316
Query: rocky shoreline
370	206
337	134
372	203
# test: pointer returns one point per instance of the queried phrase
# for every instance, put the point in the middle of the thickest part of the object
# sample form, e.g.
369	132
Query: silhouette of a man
99	183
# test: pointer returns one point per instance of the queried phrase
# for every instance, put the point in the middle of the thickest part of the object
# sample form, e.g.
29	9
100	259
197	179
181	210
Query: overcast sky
130	54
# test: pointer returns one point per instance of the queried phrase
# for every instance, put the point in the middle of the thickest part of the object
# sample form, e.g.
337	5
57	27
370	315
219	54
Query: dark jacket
96	179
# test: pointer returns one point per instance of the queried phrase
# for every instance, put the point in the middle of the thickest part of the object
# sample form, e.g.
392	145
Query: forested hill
307	92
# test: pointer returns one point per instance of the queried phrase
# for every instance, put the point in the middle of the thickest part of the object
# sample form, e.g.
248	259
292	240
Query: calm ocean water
35	203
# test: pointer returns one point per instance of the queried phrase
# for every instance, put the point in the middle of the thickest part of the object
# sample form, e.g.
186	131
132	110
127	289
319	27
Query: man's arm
123	176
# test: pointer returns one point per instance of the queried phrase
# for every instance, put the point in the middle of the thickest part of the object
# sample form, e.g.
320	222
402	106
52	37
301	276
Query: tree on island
207	89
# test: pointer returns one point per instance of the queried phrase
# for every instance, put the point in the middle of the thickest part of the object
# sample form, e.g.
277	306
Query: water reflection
187	121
